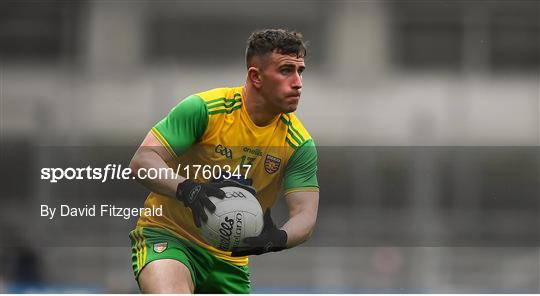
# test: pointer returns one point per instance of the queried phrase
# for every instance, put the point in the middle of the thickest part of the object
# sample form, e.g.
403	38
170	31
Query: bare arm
303	206
152	154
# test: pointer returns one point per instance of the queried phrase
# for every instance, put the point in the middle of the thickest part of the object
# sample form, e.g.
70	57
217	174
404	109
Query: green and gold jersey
212	129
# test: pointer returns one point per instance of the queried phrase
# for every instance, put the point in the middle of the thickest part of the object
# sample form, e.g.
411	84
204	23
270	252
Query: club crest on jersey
160	247
271	164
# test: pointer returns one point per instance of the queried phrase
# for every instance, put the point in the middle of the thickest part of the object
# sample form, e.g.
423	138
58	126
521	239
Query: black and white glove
232	183
271	239
195	196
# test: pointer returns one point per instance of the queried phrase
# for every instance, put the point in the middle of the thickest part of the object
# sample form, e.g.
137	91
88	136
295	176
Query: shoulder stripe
228	110
294	146
217	93
226	104
213	101
221	98
294	129
293	132
294	138
284	120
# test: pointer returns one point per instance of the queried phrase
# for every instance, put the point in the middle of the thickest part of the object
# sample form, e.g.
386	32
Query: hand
271	239
195	196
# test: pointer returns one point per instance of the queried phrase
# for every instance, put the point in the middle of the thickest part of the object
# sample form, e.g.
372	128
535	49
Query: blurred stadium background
426	114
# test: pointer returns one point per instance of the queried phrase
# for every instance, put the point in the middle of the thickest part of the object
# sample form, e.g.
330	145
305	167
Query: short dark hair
282	41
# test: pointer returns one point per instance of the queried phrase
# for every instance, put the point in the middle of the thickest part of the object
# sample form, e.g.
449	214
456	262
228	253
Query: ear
254	76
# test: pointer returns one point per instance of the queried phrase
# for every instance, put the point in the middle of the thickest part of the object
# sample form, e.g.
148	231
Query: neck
257	108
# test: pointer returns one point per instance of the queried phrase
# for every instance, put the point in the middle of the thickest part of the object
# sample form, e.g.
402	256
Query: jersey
213	128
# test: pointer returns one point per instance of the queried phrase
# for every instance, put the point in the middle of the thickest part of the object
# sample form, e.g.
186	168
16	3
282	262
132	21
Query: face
281	81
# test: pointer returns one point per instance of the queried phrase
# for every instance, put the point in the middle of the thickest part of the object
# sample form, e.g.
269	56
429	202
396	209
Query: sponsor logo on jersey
271	164
220	149
160	247
253	151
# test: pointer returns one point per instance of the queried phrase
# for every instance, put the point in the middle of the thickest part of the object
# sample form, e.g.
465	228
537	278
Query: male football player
250	129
